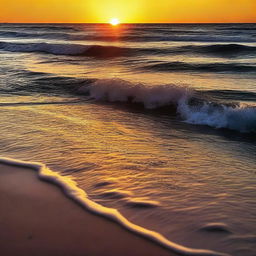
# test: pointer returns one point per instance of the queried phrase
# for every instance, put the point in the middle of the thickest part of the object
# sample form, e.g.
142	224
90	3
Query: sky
128	11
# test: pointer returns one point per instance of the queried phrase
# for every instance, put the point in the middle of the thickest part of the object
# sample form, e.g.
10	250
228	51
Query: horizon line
124	23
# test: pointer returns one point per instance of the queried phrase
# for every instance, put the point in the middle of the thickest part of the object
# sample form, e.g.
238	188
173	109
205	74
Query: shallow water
161	126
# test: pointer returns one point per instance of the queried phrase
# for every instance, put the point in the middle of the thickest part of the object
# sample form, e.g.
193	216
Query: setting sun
114	21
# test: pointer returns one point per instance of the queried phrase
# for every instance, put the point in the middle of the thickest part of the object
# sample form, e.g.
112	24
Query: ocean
155	120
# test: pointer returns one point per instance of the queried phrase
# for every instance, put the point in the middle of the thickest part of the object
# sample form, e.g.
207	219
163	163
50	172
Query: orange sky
128	10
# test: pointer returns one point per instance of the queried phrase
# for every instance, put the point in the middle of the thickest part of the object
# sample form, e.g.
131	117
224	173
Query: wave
14	34
70	35
130	35
253	28
117	90
66	49
240	118
200	67
192	110
195	107
220	49
32	82
41	26
231	95
104	51
168	36
79	196
41	34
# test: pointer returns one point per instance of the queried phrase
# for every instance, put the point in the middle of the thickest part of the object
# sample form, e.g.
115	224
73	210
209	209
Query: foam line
79	196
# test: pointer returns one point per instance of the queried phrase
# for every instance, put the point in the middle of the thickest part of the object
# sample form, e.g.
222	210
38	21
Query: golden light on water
114	21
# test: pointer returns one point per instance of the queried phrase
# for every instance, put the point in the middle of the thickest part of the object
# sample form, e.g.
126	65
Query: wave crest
105	51
237	117
66	49
117	90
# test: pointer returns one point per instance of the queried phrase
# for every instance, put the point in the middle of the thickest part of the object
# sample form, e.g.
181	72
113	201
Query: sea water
155	120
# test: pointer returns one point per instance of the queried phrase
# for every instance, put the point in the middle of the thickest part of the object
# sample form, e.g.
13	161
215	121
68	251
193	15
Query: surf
193	110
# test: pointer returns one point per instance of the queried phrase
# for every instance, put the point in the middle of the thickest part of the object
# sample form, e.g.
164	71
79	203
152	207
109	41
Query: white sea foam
79	196
117	90
240	118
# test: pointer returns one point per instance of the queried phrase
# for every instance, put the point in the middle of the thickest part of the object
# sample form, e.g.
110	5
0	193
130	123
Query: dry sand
37	219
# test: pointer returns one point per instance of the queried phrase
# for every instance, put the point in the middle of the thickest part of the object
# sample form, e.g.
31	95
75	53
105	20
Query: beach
37	219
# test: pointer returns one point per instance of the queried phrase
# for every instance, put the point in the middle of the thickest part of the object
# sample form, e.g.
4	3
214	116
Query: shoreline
39	220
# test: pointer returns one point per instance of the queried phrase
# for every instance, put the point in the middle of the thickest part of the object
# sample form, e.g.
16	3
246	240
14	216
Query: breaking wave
192	110
213	108
241	118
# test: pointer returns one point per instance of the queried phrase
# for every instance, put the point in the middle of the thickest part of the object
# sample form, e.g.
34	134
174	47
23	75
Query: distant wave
220	50
103	51
200	67
41	27
13	34
192	110
76	36
66	49
132	35
239	28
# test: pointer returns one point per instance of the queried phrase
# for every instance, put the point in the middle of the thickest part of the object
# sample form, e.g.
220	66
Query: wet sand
37	219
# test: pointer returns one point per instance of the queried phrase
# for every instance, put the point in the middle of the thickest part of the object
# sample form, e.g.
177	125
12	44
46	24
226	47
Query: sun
114	21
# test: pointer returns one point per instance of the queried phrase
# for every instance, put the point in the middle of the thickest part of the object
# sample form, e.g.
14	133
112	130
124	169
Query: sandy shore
37	219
